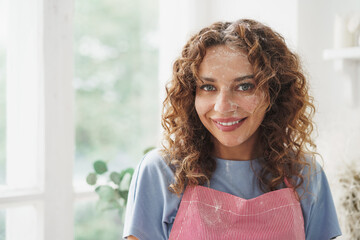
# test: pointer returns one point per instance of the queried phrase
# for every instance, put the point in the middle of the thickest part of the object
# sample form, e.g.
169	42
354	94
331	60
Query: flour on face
228	95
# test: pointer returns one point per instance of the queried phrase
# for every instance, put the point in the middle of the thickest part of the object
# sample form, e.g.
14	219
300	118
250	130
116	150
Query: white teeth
229	123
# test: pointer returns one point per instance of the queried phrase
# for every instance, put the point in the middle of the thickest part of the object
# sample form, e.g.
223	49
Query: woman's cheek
250	103
200	105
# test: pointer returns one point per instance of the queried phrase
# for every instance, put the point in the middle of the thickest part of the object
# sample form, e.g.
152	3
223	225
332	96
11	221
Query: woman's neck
248	150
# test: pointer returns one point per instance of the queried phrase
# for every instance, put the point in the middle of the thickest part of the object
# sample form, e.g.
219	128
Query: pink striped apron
209	214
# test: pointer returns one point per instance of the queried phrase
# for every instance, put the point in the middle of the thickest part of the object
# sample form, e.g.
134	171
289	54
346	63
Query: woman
236	162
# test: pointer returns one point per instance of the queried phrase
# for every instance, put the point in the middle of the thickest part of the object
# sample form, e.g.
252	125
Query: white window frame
39	196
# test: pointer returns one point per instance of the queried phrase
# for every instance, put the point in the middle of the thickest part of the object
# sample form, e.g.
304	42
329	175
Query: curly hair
285	132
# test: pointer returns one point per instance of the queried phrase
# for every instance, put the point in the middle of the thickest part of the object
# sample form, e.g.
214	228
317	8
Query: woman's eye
246	86
207	87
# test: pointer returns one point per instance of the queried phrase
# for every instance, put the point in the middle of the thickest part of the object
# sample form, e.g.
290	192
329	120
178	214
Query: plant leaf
91	179
129	171
117	193
148	150
124	172
106	193
100	167
116	178
124	194
125	181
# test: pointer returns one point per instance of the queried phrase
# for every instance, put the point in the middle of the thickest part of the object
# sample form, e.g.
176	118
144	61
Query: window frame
40	59
45	74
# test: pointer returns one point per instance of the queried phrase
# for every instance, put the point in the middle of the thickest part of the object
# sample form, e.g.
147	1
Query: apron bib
209	214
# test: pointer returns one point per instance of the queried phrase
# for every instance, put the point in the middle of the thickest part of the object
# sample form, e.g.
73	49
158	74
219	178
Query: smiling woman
228	104
238	161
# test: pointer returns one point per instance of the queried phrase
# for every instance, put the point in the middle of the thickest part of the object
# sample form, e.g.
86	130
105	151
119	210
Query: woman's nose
224	103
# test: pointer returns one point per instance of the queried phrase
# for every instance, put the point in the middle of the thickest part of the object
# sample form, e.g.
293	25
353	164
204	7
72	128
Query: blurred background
83	80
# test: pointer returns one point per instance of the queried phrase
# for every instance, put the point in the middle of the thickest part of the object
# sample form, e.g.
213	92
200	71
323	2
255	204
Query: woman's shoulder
317	202
150	204
154	165
152	175
313	167
154	159
315	180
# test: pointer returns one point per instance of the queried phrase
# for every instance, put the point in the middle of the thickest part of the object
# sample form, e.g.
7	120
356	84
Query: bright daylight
179	119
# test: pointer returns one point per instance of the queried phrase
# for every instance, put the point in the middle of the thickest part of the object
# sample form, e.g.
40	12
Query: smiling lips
228	124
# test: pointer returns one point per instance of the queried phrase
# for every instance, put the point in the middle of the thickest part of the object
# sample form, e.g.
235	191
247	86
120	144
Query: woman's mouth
228	124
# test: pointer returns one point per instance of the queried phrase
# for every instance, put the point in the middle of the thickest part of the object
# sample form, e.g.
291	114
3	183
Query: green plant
114	191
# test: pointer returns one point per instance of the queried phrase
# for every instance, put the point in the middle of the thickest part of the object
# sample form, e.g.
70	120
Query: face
226	101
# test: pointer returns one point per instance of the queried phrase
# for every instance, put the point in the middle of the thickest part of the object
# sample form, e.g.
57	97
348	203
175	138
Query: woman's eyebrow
207	79
242	78
238	79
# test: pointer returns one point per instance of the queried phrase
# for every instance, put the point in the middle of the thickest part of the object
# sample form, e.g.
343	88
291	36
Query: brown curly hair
285	132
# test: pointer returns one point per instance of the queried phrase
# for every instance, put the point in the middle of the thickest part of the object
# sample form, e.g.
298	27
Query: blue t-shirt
151	207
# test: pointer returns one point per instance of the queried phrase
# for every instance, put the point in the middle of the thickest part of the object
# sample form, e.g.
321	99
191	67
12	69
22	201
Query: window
116	86
108	100
2	225
24	217
91	224
36	100
117	104
3	30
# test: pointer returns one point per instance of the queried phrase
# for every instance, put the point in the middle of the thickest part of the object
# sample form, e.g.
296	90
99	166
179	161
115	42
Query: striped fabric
209	214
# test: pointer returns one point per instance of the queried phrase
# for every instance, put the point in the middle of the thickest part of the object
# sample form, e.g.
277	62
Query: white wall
338	116
280	15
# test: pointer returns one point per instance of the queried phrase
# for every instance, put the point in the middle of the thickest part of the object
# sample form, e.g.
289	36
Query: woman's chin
229	143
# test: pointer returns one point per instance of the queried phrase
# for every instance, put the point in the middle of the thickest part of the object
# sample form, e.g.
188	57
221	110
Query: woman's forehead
225	61
224	51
